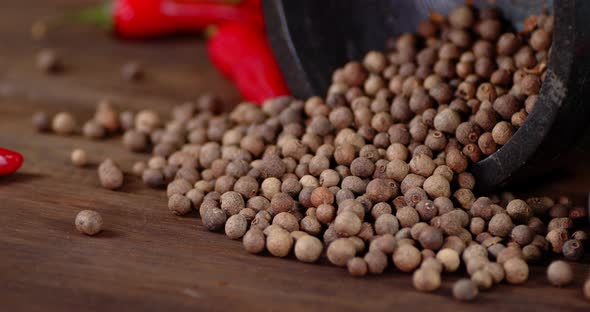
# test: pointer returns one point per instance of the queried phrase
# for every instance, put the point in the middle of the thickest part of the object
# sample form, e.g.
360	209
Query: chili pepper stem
99	15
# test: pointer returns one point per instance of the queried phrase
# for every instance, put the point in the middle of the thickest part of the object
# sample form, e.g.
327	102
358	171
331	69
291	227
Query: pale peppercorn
111	177
406	258
89	222
465	290
560	273
516	271
357	266
279	242
426	280
236	226
340	251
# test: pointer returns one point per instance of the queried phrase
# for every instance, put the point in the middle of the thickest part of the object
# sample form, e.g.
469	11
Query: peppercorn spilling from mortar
377	173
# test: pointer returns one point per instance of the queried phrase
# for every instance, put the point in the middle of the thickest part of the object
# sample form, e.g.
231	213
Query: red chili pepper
243	55
146	18
10	161
139	19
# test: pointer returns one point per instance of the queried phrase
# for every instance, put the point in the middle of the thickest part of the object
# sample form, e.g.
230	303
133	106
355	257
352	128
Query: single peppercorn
560	273
465	290
88	222
254	240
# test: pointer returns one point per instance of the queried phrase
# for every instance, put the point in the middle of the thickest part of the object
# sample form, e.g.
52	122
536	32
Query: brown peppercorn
449	258
354	74
560	273
426	209
522	234
132	71
279	242
516	270
88	222
500	225
447	121
386	224
287	221
281	202
272	166
376	261
426	280
362	167
482	279
340	251
456	161
214	219
406	258
381	190
236	226
110	175
573	250
502	132
41	121
519	211
321	195
465	290
431	238
357	266
308	249
531	253
506	106
49	61
153	177
437	186
467	132
540	40
486	144
254	241
270	187
422	165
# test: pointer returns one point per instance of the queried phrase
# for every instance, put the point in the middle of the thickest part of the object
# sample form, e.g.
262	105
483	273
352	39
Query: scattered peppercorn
88	222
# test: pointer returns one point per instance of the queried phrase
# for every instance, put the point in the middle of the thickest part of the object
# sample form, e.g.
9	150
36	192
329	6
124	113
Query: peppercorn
427	280
213	218
573	250
49	61
357	266
280	202
110	175
482	279
132	71
431	238
88	222
63	123
540	40
560	273
254	241
79	157
516	270
279	242
502	132
340	251
465	290
41	121
522	234
406	258
287	221
376	261
153	177
236	226
500	225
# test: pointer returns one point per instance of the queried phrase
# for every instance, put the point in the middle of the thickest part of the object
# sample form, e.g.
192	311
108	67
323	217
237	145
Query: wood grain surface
146	259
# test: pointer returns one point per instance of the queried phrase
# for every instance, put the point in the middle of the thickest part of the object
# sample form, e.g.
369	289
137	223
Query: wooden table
147	259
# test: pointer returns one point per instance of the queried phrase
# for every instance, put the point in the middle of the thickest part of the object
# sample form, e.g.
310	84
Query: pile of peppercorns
375	175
